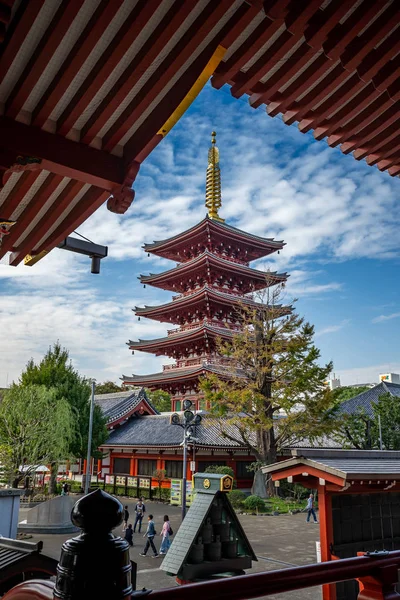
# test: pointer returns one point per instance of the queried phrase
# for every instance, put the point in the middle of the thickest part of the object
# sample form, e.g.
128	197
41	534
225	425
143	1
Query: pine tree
274	393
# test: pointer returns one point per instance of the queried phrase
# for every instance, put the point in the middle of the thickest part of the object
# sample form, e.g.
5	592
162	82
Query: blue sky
338	217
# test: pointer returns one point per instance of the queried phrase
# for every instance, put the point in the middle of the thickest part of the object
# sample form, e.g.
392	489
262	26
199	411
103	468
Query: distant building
333	383
389	377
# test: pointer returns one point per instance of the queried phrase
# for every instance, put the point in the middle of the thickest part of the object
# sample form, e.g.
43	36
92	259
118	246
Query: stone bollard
95	564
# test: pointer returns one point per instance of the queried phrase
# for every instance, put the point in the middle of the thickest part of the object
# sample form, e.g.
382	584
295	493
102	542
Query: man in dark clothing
150	533
129	534
126	519
140	509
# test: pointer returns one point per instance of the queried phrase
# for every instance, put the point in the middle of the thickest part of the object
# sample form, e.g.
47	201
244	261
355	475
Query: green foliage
237	498
108	387
360	430
160	400
55	371
254	503
344	393
293	490
388	409
220	470
36	427
275	373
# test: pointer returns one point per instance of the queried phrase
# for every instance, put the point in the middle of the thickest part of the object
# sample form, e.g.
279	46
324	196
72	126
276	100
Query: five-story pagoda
212	280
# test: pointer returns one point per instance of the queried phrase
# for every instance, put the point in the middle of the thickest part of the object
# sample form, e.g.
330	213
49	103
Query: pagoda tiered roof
209	232
166	345
199	269
173	312
176	374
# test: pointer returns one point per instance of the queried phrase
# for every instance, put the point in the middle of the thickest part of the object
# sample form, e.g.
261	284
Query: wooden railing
377	574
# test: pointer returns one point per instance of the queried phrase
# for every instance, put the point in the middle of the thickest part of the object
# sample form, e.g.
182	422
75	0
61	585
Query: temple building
211	282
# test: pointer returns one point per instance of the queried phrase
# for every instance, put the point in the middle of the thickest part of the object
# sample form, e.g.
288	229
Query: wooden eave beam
277	51
54	212
18	192
39	59
140	63
40	198
90	36
62	156
90	202
152	131
306	468
175	60
137	20
26	15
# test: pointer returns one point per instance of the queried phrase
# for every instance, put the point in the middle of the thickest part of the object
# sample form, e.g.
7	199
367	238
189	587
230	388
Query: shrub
237	498
254	503
221	470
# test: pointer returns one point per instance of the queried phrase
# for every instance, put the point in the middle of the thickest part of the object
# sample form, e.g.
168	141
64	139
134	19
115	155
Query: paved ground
279	542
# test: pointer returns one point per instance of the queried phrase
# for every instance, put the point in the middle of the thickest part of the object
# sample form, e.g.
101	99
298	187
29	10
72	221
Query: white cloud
383	318
332	328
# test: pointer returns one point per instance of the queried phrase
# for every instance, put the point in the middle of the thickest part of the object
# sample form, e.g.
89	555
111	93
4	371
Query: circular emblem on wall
206	483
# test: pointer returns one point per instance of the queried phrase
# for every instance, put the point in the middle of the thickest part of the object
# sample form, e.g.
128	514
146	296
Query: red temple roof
170	311
176	279
165	344
208	231
187	374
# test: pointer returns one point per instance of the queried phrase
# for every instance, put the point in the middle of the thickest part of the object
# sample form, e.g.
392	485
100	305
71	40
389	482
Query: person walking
150	533
140	509
129	534
165	533
65	489
310	509
126	518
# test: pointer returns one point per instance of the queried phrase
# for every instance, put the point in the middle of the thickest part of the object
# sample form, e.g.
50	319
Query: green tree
55	371
160	475
361	430
344	393
36	428
108	387
160	400
275	383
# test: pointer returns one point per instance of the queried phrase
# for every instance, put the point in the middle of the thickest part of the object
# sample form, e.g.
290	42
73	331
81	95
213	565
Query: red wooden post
380	587
326	535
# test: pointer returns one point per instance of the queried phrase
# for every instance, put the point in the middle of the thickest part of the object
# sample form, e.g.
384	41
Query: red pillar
326	536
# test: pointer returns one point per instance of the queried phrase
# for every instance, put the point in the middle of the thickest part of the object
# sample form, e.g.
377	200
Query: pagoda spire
213	181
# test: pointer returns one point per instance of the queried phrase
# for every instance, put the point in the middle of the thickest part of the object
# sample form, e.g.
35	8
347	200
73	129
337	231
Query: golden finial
213	181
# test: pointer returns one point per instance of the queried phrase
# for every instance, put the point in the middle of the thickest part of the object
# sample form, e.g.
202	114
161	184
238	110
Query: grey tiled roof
115	406
366	400
347	464
156	431
187	533
369	466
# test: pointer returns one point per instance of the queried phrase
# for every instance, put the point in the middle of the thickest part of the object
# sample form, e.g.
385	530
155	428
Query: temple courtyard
278	541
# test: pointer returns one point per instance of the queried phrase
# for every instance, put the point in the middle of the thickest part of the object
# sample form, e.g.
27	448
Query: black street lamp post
187	423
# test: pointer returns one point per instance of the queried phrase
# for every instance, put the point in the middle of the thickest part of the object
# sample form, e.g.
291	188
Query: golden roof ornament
213	181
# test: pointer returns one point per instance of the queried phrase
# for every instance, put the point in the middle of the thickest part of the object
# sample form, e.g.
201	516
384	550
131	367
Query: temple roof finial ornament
213	181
